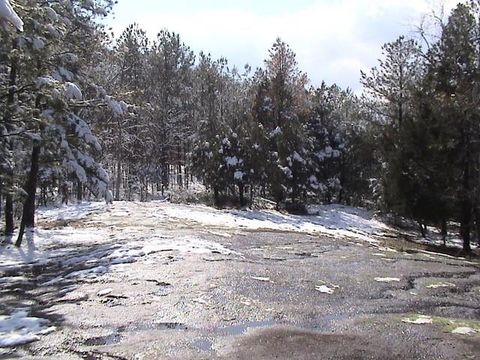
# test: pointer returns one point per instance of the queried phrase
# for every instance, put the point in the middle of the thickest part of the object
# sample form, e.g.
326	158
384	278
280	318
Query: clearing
158	280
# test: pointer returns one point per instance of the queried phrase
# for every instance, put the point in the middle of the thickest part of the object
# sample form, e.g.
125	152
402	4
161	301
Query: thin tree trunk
444	232
251	195
9	221
28	217
216	196
241	191
118	181
422	230
477	223
466	207
79	191
179	176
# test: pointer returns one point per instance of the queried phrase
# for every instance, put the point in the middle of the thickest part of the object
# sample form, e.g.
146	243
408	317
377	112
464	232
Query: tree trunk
466	208
9	222
118	181
251	195
216	196
241	194
28	216
179	176
422	230
79	191
444	232
476	213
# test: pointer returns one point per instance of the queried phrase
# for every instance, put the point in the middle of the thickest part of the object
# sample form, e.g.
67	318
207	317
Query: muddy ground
272	295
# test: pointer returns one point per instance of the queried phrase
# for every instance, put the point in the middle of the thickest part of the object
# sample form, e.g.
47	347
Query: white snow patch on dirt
20	329
464	330
387	279
325	289
418	320
440	285
334	220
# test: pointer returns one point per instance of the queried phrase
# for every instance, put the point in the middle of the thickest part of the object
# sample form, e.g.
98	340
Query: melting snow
104	292
19	329
464	330
325	289
440	285
418	320
338	221
387	279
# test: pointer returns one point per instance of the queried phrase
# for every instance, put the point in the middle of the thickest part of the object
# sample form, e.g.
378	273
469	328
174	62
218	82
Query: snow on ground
47	244
418	320
387	279
71	212
18	328
136	230
334	220
464	330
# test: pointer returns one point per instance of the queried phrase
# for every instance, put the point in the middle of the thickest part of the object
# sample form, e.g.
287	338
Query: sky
333	39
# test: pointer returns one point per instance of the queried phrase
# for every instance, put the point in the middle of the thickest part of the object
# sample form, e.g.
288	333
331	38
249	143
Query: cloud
333	40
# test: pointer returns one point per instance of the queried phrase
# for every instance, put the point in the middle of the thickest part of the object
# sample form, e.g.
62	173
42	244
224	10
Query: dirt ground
245	295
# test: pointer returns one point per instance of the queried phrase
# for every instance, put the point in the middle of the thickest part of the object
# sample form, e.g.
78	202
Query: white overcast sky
333	39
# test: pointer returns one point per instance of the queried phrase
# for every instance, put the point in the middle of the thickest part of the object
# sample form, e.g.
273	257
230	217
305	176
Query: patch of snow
80	274
8	13
45	81
260	278
72	91
238	175
325	289
464	330
287	171
38	44
74	297
387	279
104	292
71	212
418	320
277	131
334	220
20	329
298	158
440	285
232	161
51	13
13	340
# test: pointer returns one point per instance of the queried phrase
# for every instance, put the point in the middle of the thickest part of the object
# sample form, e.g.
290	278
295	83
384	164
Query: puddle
242	328
327	323
170	326
203	345
154	326
104	340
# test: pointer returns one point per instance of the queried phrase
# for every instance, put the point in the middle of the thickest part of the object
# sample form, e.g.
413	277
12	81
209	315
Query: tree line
131	117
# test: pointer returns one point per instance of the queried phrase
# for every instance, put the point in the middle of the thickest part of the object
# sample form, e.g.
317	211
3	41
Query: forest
86	114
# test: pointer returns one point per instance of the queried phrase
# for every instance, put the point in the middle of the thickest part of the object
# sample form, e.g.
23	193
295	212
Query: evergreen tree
455	75
44	109
283	119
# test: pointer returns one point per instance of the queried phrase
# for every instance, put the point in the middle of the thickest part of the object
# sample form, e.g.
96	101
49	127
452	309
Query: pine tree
46	108
284	122
455	75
